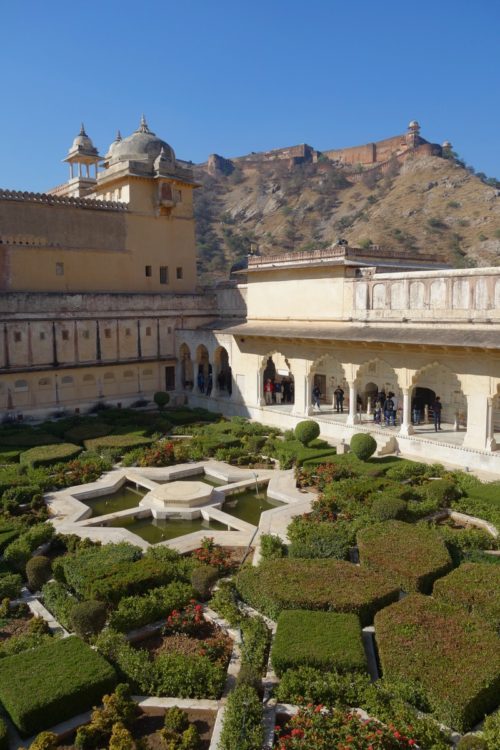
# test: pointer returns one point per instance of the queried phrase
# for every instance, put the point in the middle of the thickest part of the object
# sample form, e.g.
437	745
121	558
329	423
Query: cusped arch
186	367
443	382
376	375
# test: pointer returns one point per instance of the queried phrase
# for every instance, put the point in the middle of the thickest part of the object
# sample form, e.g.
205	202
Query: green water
248	507
126	497
155	530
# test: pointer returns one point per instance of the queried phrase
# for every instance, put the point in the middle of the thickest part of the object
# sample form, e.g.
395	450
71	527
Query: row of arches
203	376
419	295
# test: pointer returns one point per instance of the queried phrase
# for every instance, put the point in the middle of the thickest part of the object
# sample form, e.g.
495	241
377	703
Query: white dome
142	146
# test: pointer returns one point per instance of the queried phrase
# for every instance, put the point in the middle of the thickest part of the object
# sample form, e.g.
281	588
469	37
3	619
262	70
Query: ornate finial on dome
118	136
82	130
143	127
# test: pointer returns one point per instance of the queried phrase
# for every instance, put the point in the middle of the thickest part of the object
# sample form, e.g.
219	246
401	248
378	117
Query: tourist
339	399
437	408
377	412
389	410
268	391
201	382
277	392
316	394
417	410
287	390
210	382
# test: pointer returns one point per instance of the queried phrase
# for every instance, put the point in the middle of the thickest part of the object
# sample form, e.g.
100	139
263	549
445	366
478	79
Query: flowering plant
212	554
187	620
331	729
158	454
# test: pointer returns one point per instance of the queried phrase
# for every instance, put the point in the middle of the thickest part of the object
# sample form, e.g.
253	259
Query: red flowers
185	621
212	554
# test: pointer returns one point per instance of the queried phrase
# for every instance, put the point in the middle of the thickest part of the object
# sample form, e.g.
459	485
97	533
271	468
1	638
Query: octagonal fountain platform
173	496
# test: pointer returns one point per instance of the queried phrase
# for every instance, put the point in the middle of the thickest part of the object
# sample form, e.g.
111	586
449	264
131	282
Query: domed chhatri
414	125
178	495
82	144
142	146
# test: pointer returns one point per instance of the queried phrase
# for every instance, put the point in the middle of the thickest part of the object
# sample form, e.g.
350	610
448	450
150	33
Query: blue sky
234	77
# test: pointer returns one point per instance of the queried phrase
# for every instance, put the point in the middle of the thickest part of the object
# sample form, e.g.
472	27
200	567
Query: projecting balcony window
148	271
163	274
59	269
179	272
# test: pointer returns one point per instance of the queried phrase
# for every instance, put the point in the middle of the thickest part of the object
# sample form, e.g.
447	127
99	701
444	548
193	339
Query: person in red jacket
268	391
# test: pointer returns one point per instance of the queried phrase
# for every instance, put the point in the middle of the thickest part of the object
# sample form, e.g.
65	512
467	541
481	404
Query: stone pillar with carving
302	395
406	425
353	394
479	433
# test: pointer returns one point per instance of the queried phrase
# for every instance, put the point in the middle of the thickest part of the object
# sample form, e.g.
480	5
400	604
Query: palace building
100	303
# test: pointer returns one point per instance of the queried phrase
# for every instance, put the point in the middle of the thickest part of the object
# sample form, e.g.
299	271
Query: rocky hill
426	204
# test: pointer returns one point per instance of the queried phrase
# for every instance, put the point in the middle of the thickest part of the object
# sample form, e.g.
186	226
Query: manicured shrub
10	585
161	399
307	431
45	741
25	437
122	443
175	719
412	555
203	579
19	643
88	618
472	742
310	685
385	508
58	600
242	727
121	738
325	640
38	572
4	735
7	535
271	547
442	492
491	730
461	542
126	579
24	494
135	611
50	454
47	685
87	431
453	655
474	586
363	446
318	539
256	640
315	584
116	707
19	551
80	569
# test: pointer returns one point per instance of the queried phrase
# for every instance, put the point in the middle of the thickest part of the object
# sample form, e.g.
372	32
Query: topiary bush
203	579
363	446
475	587
387	507
472	742
50	454
242	728
442	492
161	399
38	572
307	431
10	586
271	547
325	640
45	741
88	618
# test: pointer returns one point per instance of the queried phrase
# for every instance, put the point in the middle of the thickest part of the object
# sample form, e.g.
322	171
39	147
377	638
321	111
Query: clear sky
232	76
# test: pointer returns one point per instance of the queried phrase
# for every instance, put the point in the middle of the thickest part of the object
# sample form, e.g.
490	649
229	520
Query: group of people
205	384
278	391
386	409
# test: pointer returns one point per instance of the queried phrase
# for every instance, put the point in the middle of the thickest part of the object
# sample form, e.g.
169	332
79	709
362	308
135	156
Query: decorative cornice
54	200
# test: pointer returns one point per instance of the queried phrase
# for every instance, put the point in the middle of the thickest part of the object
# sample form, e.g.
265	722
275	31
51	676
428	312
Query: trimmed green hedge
47	685
127	579
7	535
119	442
325	640
135	611
80	569
474	586
452	655
4	735
10	585
58	600
50	454
315	584
413	555
88	430
242	727
26	437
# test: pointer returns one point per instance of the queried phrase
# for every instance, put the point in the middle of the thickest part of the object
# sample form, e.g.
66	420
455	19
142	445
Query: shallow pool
128	496
248	506
155	530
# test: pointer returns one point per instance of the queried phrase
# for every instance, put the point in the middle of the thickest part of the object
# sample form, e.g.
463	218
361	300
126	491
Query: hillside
427	204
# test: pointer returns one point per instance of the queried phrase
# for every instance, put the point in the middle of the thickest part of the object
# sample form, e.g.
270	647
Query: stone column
302	397
406	425
260	388
479	433
353	393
